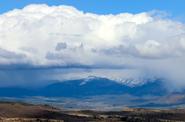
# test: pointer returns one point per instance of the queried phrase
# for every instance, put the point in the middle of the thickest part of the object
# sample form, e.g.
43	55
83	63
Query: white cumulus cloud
42	35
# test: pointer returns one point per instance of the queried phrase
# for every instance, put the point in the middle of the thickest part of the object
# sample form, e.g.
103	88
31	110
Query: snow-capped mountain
90	86
131	82
102	86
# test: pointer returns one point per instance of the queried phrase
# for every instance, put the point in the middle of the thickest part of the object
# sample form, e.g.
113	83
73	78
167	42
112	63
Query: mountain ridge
90	86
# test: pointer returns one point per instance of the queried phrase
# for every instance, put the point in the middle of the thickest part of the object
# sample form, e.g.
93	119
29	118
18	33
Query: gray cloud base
42	36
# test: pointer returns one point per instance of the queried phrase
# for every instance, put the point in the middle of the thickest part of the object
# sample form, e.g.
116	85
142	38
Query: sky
173	7
49	40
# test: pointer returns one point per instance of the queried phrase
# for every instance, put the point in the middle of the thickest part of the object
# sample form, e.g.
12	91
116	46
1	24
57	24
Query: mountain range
91	86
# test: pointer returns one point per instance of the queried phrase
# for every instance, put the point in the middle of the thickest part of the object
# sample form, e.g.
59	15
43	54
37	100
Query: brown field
23	112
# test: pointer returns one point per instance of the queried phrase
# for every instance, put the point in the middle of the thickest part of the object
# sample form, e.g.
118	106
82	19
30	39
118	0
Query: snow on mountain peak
131	82
88	79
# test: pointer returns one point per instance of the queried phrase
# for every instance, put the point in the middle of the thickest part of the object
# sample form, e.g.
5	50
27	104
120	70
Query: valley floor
24	112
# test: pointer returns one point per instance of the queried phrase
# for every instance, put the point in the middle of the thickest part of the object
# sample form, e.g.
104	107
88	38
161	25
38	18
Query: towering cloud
62	36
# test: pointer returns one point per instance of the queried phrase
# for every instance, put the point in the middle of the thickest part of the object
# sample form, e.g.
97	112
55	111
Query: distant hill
88	87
